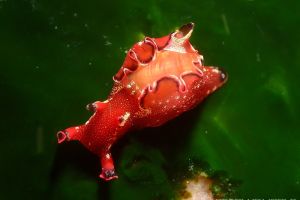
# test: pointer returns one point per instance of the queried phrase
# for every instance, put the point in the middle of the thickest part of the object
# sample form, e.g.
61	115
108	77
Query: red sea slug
159	79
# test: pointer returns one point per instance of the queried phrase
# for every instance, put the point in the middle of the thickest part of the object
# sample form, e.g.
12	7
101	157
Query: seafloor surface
57	56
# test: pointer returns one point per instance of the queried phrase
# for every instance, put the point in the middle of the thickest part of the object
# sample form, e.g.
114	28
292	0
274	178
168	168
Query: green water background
57	56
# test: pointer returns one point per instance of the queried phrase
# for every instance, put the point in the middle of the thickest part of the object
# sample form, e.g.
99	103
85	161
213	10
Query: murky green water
57	56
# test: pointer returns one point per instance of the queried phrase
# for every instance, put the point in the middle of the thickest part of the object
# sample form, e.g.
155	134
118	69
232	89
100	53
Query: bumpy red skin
159	79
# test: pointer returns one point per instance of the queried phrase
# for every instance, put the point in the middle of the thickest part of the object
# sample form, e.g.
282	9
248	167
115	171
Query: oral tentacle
72	133
96	106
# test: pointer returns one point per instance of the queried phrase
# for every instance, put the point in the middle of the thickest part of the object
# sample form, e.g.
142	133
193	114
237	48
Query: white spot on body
133	92
123	119
128	86
215	70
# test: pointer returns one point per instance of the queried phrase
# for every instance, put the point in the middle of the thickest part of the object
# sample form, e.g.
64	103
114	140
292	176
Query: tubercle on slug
159	79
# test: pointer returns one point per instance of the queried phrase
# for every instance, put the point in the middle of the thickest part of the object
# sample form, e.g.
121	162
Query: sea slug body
160	79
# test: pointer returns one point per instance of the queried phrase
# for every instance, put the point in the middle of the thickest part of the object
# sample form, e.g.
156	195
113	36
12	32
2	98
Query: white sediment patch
198	188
